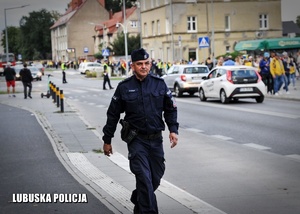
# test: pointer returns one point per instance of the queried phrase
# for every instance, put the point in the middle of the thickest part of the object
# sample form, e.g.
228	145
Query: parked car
90	66
232	83
36	74
185	78
40	66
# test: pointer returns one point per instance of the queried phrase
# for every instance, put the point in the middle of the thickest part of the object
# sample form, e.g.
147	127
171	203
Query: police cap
139	54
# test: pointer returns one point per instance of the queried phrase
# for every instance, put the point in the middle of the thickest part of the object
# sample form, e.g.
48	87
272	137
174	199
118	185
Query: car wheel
223	97
202	95
178	92
260	99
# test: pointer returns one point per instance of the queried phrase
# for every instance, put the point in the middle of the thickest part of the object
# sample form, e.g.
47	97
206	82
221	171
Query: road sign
203	42
85	50
105	52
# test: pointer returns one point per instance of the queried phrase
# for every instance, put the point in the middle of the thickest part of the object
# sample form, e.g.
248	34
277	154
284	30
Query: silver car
35	73
185	78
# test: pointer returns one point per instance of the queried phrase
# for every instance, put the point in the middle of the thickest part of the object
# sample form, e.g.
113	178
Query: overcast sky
290	9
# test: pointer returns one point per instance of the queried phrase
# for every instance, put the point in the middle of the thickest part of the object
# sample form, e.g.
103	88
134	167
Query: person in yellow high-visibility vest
63	68
106	75
159	67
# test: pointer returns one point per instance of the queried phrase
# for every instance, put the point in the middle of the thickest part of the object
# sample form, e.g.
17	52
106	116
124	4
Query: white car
232	83
90	67
185	78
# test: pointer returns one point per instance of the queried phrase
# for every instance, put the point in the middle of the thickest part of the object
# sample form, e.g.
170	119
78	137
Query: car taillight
259	77
183	77
229	76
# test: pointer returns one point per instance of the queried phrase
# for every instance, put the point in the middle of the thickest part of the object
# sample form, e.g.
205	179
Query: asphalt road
28	165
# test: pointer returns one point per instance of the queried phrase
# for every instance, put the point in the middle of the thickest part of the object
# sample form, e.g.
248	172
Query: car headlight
17	75
39	74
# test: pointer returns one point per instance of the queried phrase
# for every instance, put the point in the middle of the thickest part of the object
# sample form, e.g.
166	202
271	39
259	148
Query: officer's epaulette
156	77
125	80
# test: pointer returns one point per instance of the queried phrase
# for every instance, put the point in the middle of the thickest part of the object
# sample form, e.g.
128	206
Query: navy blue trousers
147	163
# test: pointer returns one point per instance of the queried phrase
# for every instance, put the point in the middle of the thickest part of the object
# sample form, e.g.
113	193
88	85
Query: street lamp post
125	36
6	34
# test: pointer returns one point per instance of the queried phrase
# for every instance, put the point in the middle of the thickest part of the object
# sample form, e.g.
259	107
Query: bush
91	74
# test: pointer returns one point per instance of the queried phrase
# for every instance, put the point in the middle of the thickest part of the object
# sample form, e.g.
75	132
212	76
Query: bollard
57	96
61	100
54	94
50	88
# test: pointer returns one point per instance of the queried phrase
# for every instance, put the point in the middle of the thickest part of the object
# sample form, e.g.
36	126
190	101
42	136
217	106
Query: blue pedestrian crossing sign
105	52
203	42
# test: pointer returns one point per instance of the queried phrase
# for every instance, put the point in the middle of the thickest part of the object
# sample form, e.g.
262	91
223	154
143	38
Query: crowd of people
276	69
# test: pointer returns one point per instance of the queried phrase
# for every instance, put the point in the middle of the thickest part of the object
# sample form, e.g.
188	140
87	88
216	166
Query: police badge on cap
139	54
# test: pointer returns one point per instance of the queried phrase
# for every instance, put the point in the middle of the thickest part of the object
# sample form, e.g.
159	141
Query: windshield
11	57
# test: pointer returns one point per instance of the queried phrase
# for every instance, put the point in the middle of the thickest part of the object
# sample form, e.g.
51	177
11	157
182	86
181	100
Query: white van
90	66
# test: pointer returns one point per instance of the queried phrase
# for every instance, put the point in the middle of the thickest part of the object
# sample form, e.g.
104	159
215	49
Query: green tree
36	35
13	34
117	5
298	21
118	46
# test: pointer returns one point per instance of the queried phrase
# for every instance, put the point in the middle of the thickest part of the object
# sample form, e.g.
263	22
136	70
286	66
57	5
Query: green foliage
13	39
298	21
91	74
35	35
118	46
117	5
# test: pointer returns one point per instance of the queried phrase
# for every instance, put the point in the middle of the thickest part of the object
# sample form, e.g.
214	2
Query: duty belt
150	136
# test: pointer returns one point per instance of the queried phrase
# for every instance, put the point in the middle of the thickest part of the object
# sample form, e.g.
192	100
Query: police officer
106	75
143	98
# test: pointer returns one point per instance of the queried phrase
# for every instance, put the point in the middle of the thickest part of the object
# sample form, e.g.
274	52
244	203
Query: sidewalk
76	143
294	92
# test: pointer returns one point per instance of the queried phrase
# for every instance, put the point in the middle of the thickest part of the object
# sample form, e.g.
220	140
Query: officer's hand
173	139
107	148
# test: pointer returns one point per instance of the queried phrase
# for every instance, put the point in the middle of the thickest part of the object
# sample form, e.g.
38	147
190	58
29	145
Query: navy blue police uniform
145	104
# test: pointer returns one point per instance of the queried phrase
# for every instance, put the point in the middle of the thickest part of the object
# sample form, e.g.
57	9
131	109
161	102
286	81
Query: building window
227	23
158	27
134	23
227	49
145	29
167	26
153	28
191	24
263	21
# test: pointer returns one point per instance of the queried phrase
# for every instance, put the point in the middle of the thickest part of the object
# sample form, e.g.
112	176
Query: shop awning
268	44
250	45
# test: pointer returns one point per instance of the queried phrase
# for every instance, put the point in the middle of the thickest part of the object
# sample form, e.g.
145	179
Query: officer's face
141	68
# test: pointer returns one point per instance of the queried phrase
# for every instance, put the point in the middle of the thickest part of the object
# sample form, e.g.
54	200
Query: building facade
72	35
172	29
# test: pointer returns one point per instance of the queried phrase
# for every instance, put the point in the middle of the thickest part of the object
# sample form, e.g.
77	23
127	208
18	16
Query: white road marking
294	156
183	197
194	130
257	146
277	114
222	137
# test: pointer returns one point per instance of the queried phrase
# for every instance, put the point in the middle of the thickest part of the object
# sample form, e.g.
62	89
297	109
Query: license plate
196	78
246	89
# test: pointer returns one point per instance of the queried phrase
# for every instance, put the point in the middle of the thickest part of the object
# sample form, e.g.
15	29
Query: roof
290	27
69	13
111	23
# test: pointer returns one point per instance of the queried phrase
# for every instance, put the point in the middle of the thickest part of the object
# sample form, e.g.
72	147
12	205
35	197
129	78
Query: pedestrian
145	99
265	74
277	72
106	75
286	77
63	68
27	79
10	78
